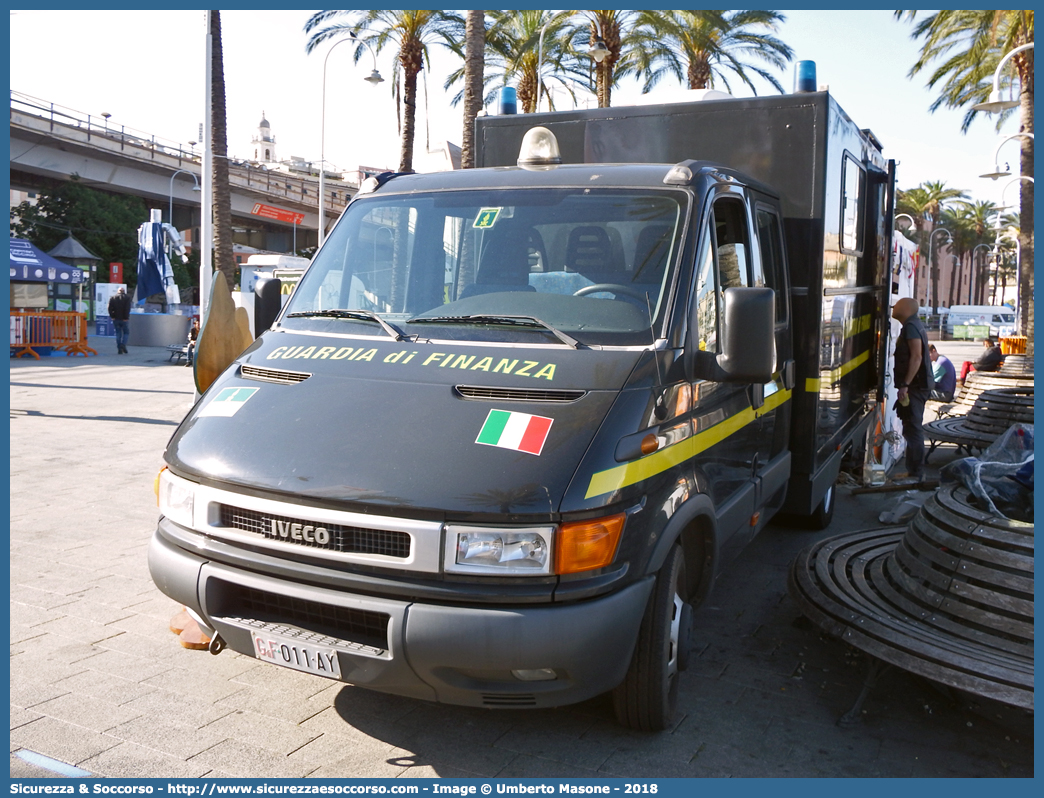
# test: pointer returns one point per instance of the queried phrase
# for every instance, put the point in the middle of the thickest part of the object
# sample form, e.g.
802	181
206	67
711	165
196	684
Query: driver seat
505	263
588	250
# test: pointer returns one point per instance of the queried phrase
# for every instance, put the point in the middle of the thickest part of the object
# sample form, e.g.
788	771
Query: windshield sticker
228	401
487	217
519	432
496	365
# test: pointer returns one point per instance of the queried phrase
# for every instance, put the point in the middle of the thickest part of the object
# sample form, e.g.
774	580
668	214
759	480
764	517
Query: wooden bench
977	382
992	414
1017	365
949	598
177	352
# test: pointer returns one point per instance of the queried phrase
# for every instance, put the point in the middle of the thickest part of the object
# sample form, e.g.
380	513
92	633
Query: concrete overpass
50	143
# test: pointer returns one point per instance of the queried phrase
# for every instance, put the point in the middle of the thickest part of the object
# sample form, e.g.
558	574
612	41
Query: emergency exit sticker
519	432
487	217
228	401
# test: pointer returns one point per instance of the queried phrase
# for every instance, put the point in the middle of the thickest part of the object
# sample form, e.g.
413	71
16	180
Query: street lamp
170	211
997	171
899	216
373	79
170	207
931	269
1011	182
994	105
598	49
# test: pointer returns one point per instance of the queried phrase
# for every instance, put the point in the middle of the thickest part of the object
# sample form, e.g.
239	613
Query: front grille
280	376
323	624
518	394
346	539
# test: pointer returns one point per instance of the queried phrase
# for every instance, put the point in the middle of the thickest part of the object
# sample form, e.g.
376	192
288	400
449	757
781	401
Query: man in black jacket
119	312
914	381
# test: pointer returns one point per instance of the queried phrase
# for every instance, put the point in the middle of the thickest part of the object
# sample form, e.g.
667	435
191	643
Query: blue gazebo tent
29	264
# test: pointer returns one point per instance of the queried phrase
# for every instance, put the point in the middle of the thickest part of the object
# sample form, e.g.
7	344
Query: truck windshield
594	265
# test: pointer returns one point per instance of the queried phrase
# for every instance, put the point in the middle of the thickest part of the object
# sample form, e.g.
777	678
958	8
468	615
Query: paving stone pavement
98	681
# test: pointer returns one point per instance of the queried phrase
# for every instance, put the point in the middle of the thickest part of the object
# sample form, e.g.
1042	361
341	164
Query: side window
706	297
852	206
770	241
724	264
730	230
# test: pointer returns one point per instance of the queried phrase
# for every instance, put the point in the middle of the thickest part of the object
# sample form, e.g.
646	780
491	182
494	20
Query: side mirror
748	351
268	301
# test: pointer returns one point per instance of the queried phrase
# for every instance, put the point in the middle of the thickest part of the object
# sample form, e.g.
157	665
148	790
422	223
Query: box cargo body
836	193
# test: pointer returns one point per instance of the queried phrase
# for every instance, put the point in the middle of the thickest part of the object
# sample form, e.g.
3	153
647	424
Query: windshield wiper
361	315
514	321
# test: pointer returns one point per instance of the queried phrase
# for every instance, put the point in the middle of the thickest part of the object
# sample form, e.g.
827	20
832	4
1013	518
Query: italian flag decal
518	431
227	402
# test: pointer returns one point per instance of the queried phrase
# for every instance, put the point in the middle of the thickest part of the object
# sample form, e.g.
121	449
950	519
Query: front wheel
824	513
647	697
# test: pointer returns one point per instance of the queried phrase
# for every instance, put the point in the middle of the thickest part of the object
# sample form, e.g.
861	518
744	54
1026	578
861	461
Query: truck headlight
488	550
176	498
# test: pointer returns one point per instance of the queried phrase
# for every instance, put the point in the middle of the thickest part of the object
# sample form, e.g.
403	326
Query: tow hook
217	645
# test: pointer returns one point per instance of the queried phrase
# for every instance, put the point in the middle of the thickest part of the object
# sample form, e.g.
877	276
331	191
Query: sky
146	69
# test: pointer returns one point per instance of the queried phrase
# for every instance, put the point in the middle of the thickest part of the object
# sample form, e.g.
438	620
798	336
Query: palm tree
513	41
224	260
977	216
474	52
930	198
700	48
957	220
615	28
410	32
970	44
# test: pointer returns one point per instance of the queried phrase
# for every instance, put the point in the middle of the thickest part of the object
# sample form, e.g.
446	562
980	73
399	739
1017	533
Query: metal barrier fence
1013	345
57	329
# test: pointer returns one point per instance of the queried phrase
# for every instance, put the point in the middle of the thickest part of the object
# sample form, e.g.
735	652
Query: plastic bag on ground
906	508
1001	478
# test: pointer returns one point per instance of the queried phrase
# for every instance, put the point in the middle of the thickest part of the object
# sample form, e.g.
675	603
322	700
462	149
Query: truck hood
433	428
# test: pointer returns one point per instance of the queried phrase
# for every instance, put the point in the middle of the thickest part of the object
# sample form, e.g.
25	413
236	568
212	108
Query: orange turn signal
155	484
585	545
650	443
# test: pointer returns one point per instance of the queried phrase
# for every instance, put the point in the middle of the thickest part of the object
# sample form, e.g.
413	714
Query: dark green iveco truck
511	422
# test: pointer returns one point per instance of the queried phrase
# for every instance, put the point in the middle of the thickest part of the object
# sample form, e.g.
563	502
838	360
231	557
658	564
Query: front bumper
451	654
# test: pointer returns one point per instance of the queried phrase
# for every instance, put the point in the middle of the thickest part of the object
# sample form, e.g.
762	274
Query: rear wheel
648	695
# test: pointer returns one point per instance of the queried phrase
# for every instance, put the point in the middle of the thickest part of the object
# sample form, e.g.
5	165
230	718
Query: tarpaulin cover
31	264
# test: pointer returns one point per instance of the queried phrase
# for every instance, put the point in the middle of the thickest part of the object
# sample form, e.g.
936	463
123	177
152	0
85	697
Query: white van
999	318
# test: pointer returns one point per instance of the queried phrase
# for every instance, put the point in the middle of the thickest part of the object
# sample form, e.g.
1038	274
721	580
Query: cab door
723	419
769	269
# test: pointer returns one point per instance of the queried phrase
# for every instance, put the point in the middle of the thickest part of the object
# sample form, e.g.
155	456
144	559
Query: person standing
119	312
945	375
914	381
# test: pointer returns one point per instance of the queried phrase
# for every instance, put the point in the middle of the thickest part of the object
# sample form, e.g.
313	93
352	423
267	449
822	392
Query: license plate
292	653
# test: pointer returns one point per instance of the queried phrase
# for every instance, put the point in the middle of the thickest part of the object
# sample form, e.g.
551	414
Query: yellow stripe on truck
813	384
656	463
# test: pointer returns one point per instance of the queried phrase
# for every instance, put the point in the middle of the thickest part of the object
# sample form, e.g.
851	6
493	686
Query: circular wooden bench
1017	365
992	414
976	383
949	598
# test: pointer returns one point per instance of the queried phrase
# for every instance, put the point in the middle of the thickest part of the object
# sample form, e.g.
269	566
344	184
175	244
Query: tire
824	513
647	697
